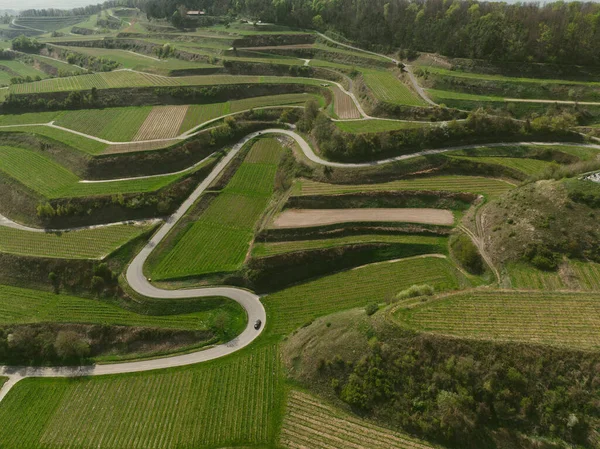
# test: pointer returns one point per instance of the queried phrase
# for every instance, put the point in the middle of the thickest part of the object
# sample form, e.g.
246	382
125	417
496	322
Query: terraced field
49	23
376	126
220	239
551	318
231	402
343	105
83	244
74	141
390	89
309	422
527	277
296	306
457	183
588	275
524	165
113	124
29	117
428	244
22	306
17	69
46	177
162	122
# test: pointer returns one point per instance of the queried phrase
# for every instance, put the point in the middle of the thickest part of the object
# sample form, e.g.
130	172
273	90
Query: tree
97	284
69	346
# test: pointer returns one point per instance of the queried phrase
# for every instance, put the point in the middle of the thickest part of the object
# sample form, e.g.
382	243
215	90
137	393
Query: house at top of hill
195	13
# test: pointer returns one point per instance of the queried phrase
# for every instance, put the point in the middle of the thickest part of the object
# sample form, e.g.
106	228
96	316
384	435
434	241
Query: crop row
527	277
375	283
219	240
561	319
84	244
390	89
228	402
311	423
433	244
524	165
471	184
163	122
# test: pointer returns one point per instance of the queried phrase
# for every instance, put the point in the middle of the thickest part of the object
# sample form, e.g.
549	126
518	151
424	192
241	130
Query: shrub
467	254
371	308
69	346
415	291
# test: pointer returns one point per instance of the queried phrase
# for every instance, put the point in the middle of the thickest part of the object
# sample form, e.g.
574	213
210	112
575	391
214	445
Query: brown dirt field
134	146
297	218
163	122
343	105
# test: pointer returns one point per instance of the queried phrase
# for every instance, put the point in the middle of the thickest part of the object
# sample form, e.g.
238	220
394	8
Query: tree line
555	32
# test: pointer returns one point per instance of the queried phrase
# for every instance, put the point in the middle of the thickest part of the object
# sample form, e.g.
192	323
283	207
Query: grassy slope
388	88
295	306
21	306
74	141
220	239
84	244
375	126
559	319
228	402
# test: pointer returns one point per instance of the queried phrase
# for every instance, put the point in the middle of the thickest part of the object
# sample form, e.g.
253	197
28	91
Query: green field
235	401
22	306
219	240
49	23
113	124
430	244
558	319
441	96
84	244
524	276
458	183
17	69
121	79
524	165
46	177
390	89
375	283
376	126
29	118
76	142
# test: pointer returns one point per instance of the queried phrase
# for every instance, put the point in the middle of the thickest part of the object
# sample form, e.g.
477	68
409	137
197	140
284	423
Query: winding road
247	299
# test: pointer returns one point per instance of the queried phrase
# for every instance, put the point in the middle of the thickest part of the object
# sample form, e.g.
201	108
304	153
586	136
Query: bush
69	346
467	254
371	308
415	291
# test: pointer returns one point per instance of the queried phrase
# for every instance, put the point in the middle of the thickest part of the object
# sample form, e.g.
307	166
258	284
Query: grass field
219	240
74	141
121	79
587	273
296	306
390	89
309	422
376	126
458	183
524	165
83	244
45	176
114	124
29	118
17	69
22	306
234	401
49	23
559	319
431	244
525	276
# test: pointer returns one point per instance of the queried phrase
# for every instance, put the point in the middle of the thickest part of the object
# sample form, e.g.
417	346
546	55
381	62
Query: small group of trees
41	344
27	79
26	44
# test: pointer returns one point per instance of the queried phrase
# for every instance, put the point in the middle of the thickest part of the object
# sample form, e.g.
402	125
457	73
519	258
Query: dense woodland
557	32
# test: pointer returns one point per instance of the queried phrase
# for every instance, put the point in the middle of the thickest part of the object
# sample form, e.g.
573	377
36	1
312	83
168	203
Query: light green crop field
430	244
83	244
587	274
135	61
23	306
114	124
121	78
552	318
49	23
376	126
219	240
524	165
29	118
74	141
310	422
524	276
235	401
388	88
375	283
198	114
17	69
48	178
61	66
457	183
439	96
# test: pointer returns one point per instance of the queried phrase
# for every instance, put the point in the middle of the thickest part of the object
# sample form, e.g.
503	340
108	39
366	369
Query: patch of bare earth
312	424
295	218
163	122
343	105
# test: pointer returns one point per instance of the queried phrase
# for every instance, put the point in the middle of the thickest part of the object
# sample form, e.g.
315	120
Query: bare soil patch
163	122
138	146
295	218
343	105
